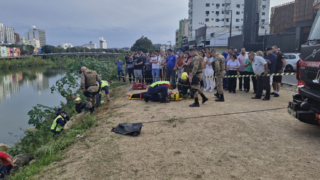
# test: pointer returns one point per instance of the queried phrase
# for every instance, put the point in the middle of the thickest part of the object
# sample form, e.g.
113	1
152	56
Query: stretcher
173	97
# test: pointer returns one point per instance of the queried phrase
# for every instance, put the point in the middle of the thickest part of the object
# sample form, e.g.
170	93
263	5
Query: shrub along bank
45	147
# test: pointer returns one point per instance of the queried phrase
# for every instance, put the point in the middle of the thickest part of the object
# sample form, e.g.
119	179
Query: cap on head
78	99
268	48
184	76
64	112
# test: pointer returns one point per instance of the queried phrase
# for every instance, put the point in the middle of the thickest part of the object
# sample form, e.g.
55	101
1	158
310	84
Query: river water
20	90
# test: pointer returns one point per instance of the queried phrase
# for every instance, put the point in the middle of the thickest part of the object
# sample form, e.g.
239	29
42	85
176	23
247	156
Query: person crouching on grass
159	87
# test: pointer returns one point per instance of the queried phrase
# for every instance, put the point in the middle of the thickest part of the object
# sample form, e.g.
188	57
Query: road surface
290	79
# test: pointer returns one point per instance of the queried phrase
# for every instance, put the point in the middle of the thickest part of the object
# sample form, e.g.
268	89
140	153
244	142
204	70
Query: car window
286	56
292	57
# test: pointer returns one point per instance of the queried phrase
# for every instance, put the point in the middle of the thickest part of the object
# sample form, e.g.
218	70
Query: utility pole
229	44
205	36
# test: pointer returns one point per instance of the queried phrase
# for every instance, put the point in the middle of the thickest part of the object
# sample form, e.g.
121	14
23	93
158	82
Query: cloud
120	22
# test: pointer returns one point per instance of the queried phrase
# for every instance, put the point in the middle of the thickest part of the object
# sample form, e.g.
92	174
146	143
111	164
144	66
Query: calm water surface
20	90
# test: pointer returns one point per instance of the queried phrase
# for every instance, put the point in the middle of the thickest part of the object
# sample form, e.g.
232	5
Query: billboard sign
18	52
15	52
3	50
8	52
11	52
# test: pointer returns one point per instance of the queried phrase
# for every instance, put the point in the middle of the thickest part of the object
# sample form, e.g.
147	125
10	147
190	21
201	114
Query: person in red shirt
7	164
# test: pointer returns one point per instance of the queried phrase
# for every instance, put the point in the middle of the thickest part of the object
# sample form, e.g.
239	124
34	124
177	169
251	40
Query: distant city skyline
86	21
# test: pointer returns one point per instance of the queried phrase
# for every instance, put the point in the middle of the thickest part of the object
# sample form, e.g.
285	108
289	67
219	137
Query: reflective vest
104	84
56	126
159	83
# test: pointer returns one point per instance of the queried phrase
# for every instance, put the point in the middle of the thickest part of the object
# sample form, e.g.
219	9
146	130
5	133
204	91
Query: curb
289	84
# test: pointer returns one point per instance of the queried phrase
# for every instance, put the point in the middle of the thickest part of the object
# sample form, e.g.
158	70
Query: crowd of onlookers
160	65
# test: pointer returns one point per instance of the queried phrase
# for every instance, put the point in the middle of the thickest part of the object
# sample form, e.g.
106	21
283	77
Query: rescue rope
214	115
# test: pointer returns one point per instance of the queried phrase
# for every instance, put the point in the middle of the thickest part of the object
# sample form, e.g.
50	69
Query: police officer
89	87
196	76
220	71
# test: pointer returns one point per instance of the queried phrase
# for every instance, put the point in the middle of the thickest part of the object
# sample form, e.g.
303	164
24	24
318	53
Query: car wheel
289	68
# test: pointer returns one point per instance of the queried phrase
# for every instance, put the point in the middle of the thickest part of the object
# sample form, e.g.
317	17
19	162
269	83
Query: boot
196	103
91	110
204	98
217	95
164	101
145	97
221	98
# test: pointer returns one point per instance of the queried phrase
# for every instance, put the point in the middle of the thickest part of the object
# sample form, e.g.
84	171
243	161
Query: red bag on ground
139	86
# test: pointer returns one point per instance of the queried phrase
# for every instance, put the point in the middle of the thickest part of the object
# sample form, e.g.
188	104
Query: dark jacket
183	87
80	106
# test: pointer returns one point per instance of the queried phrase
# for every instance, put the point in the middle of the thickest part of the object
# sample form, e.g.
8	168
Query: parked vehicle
306	103
291	61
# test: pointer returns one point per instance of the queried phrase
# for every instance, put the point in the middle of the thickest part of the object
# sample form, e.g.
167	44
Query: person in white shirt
233	66
209	73
162	61
155	67
260	68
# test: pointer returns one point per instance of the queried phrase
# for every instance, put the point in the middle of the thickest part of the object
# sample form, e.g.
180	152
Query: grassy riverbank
22	63
41	143
53	61
44	146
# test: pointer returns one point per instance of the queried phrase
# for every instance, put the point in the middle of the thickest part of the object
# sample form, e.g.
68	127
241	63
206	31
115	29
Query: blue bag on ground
129	129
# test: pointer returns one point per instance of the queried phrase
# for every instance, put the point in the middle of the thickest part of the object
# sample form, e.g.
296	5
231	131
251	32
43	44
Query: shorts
126	70
278	78
137	73
106	89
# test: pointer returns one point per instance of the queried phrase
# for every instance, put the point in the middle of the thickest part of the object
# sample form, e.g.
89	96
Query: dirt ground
263	145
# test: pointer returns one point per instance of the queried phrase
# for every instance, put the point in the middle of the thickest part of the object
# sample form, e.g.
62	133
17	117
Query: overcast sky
120	22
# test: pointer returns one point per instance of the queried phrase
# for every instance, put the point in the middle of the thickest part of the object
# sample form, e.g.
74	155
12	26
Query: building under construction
303	10
282	18
289	15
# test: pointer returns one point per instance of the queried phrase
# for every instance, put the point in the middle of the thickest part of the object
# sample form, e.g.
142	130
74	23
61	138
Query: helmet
78	99
184	76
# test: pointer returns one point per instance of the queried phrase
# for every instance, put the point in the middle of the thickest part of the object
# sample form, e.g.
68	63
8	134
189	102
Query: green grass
54	148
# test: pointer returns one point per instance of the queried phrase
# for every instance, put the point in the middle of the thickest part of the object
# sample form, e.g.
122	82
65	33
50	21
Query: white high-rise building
91	45
1	33
102	43
215	13
65	45
37	34
33	42
264	20
9	35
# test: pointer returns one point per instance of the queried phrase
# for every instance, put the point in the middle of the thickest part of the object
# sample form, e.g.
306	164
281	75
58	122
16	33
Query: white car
291	61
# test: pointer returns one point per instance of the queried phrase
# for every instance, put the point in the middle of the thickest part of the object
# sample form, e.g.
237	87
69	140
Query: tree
48	49
143	44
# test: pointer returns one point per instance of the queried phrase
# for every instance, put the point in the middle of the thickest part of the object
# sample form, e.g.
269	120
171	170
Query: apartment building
38	34
214	13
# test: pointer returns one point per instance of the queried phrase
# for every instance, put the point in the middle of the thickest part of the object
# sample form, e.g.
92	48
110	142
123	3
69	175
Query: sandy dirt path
259	145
